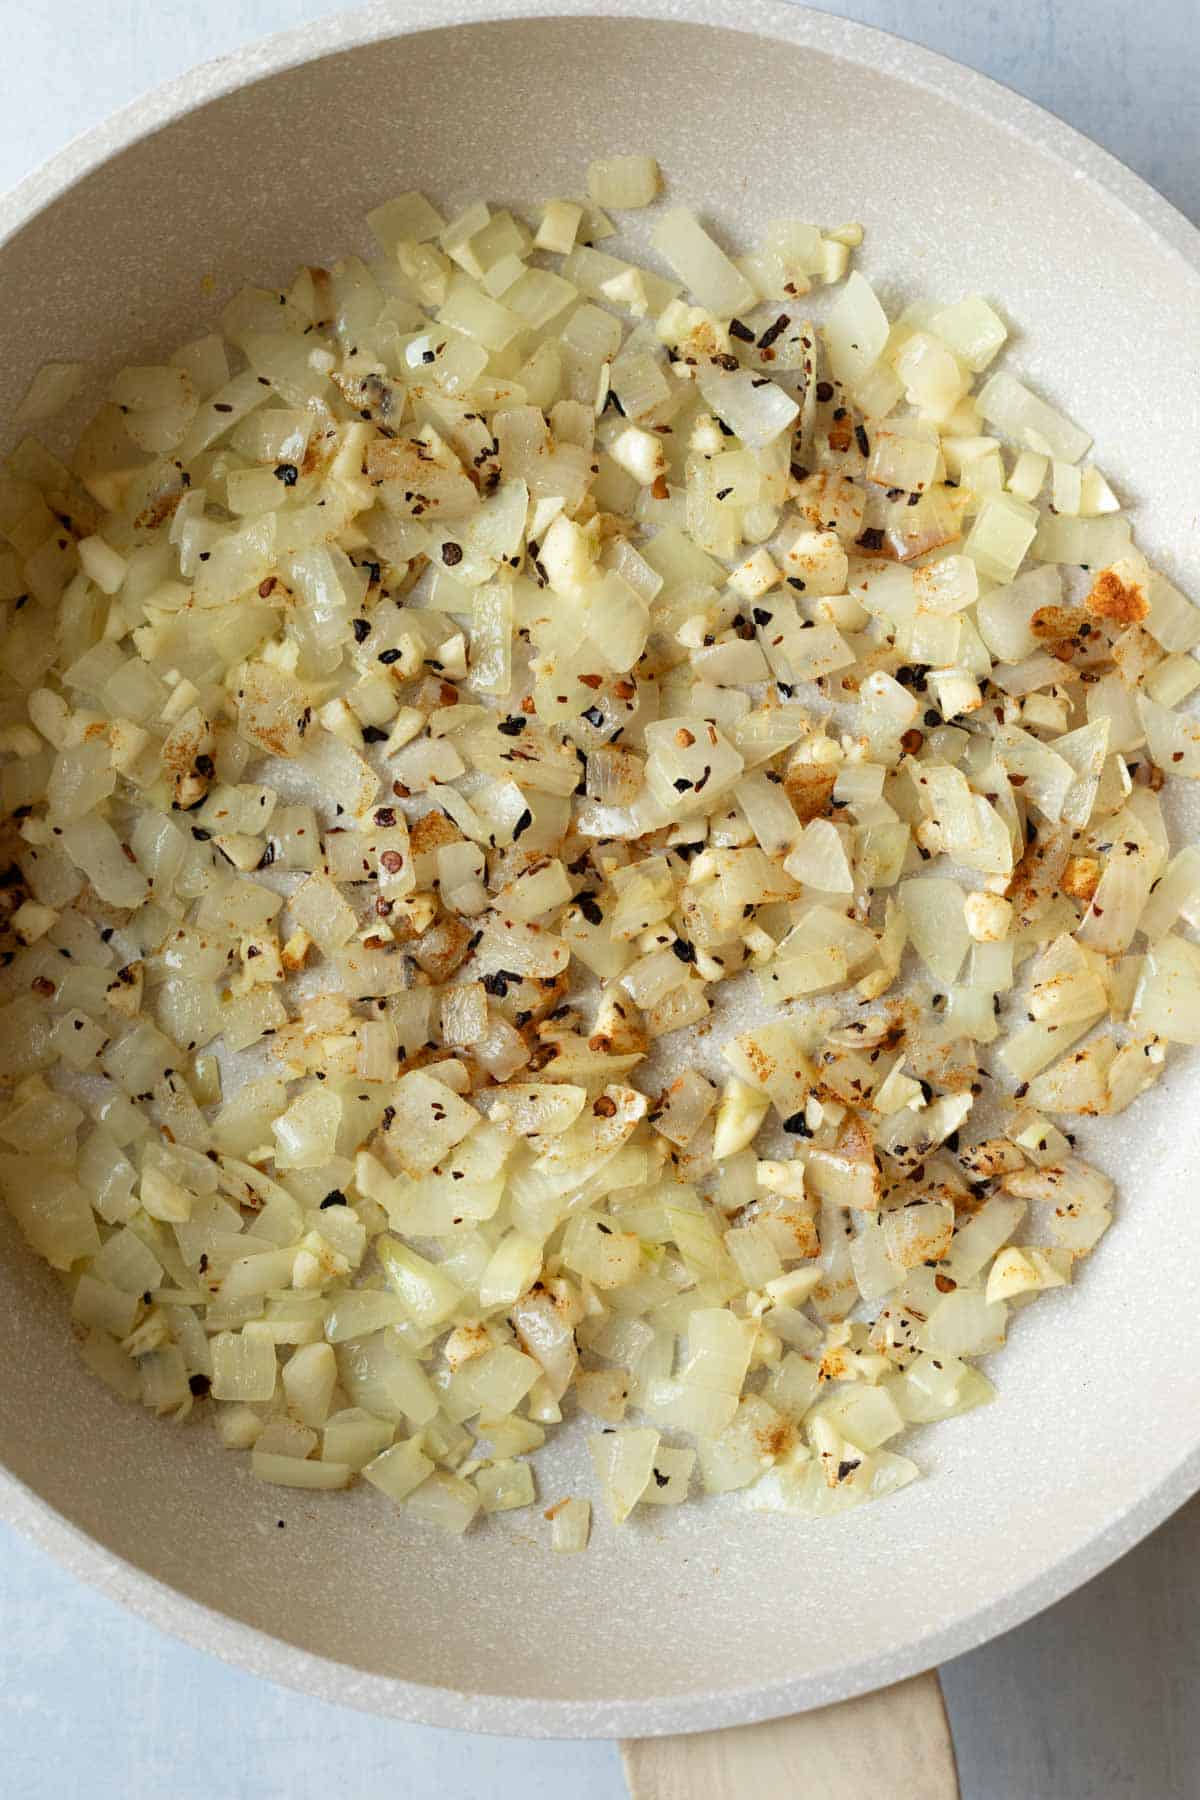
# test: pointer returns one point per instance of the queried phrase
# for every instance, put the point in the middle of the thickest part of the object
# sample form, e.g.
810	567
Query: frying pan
716	1615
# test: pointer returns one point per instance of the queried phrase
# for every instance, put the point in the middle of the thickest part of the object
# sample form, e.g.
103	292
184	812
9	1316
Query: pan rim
245	1646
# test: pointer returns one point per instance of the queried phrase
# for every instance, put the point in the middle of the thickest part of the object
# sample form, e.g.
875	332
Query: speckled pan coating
714	1616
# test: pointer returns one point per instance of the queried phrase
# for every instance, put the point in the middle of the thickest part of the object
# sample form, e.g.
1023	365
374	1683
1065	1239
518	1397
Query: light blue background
1094	1701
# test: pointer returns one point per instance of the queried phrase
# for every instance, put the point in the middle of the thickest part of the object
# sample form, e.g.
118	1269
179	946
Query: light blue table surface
1096	1700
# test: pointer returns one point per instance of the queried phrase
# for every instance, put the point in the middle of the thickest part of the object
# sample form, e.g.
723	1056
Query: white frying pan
713	1616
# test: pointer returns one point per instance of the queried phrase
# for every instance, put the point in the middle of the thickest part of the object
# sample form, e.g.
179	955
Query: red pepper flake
774	331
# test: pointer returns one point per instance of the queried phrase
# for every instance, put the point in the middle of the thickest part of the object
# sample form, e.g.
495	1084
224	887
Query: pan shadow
1096	1698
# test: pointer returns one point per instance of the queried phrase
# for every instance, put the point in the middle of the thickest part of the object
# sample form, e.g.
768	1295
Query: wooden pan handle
895	1742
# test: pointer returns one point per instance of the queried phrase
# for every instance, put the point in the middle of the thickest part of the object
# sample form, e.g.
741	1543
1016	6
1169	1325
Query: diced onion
421	693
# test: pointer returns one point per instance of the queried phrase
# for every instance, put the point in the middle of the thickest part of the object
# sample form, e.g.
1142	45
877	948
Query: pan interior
712	1601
